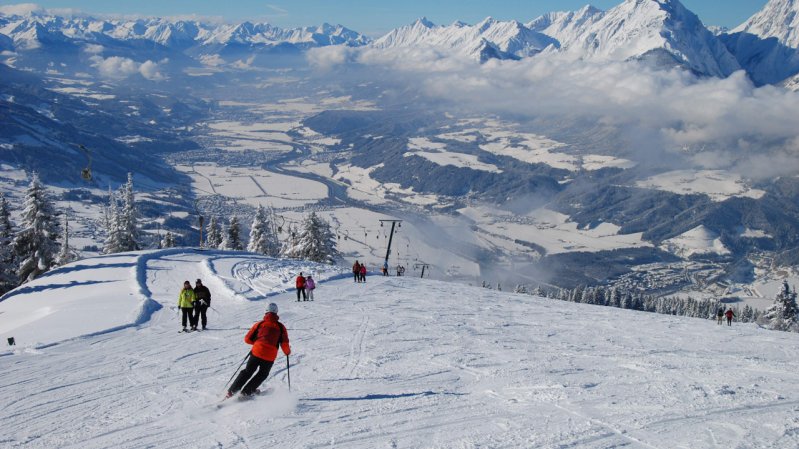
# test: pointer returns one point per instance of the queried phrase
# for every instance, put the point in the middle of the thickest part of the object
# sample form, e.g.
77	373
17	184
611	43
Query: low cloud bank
710	123
116	67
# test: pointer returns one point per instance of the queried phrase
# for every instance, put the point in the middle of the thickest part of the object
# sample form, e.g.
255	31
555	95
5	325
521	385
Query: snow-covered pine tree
262	238
213	234
168	240
67	254
36	244
8	277
782	315
112	220
316	241
128	220
232	238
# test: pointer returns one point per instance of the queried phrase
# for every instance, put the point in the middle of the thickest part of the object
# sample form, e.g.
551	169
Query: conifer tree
262	238
782	315
113	226
232	238
213	234
316	241
36	244
8	277
67	254
168	240
128	219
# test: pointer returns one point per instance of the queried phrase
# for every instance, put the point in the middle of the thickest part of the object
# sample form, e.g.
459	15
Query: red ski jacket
266	335
300	282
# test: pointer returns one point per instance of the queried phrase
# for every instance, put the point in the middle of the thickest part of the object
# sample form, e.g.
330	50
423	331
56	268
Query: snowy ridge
381	364
767	45
778	18
644	29
34	29
511	38
565	26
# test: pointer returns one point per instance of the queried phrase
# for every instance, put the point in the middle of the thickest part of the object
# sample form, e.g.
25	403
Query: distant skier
300	283
310	285
265	337
720	315
385	268
356	271
186	304
363	273
729	314
201	303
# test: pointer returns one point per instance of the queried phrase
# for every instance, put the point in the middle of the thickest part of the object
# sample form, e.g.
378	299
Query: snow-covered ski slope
395	362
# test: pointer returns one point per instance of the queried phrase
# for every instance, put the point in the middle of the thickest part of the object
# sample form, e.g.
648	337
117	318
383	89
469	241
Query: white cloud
150	71
118	68
708	122
93	49
212	60
21	9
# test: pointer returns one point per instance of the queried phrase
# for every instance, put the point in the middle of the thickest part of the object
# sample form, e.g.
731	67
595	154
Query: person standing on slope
201	304
356	271
310	285
363	272
265	337
720	315
301	288
729	314
186	304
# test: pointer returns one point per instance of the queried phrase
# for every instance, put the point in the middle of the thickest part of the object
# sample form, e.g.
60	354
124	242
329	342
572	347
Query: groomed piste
395	362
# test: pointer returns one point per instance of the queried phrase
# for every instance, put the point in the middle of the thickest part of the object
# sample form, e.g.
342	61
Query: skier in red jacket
265	336
301	288
729	314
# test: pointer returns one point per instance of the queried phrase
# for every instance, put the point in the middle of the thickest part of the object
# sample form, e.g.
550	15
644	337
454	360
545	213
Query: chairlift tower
423	265
394	223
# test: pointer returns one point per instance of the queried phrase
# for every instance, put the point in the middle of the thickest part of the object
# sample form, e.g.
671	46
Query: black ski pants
199	314
188	315
253	364
304	295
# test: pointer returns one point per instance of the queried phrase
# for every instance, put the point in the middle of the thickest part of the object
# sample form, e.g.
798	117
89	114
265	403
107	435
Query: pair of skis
257	392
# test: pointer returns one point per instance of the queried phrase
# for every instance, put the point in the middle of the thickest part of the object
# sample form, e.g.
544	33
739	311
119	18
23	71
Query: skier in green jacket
186	303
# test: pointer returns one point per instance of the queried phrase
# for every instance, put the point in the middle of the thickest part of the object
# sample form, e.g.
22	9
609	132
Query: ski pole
288	371
237	369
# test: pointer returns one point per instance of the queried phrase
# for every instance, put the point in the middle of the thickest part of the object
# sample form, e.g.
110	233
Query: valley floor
395	362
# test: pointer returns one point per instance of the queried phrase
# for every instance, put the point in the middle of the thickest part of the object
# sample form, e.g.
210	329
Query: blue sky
374	17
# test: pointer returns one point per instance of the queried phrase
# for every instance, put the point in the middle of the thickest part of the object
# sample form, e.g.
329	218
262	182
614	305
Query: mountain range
664	32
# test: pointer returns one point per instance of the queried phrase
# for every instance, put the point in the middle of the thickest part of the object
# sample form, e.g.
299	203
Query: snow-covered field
551	230
254	186
719	185
395	362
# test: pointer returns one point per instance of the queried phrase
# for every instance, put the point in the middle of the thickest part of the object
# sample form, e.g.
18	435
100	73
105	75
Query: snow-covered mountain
35	30
663	31
779	18
98	364
565	26
767	45
508	39
660	30
792	83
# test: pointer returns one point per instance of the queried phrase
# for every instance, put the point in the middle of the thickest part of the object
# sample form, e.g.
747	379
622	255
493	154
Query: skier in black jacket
201	303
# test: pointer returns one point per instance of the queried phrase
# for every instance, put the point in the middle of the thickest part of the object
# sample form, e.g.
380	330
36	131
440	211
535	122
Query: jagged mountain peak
778	18
488	39
638	29
424	22
29	31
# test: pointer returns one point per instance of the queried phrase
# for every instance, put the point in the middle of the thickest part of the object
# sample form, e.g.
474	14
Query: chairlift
86	173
